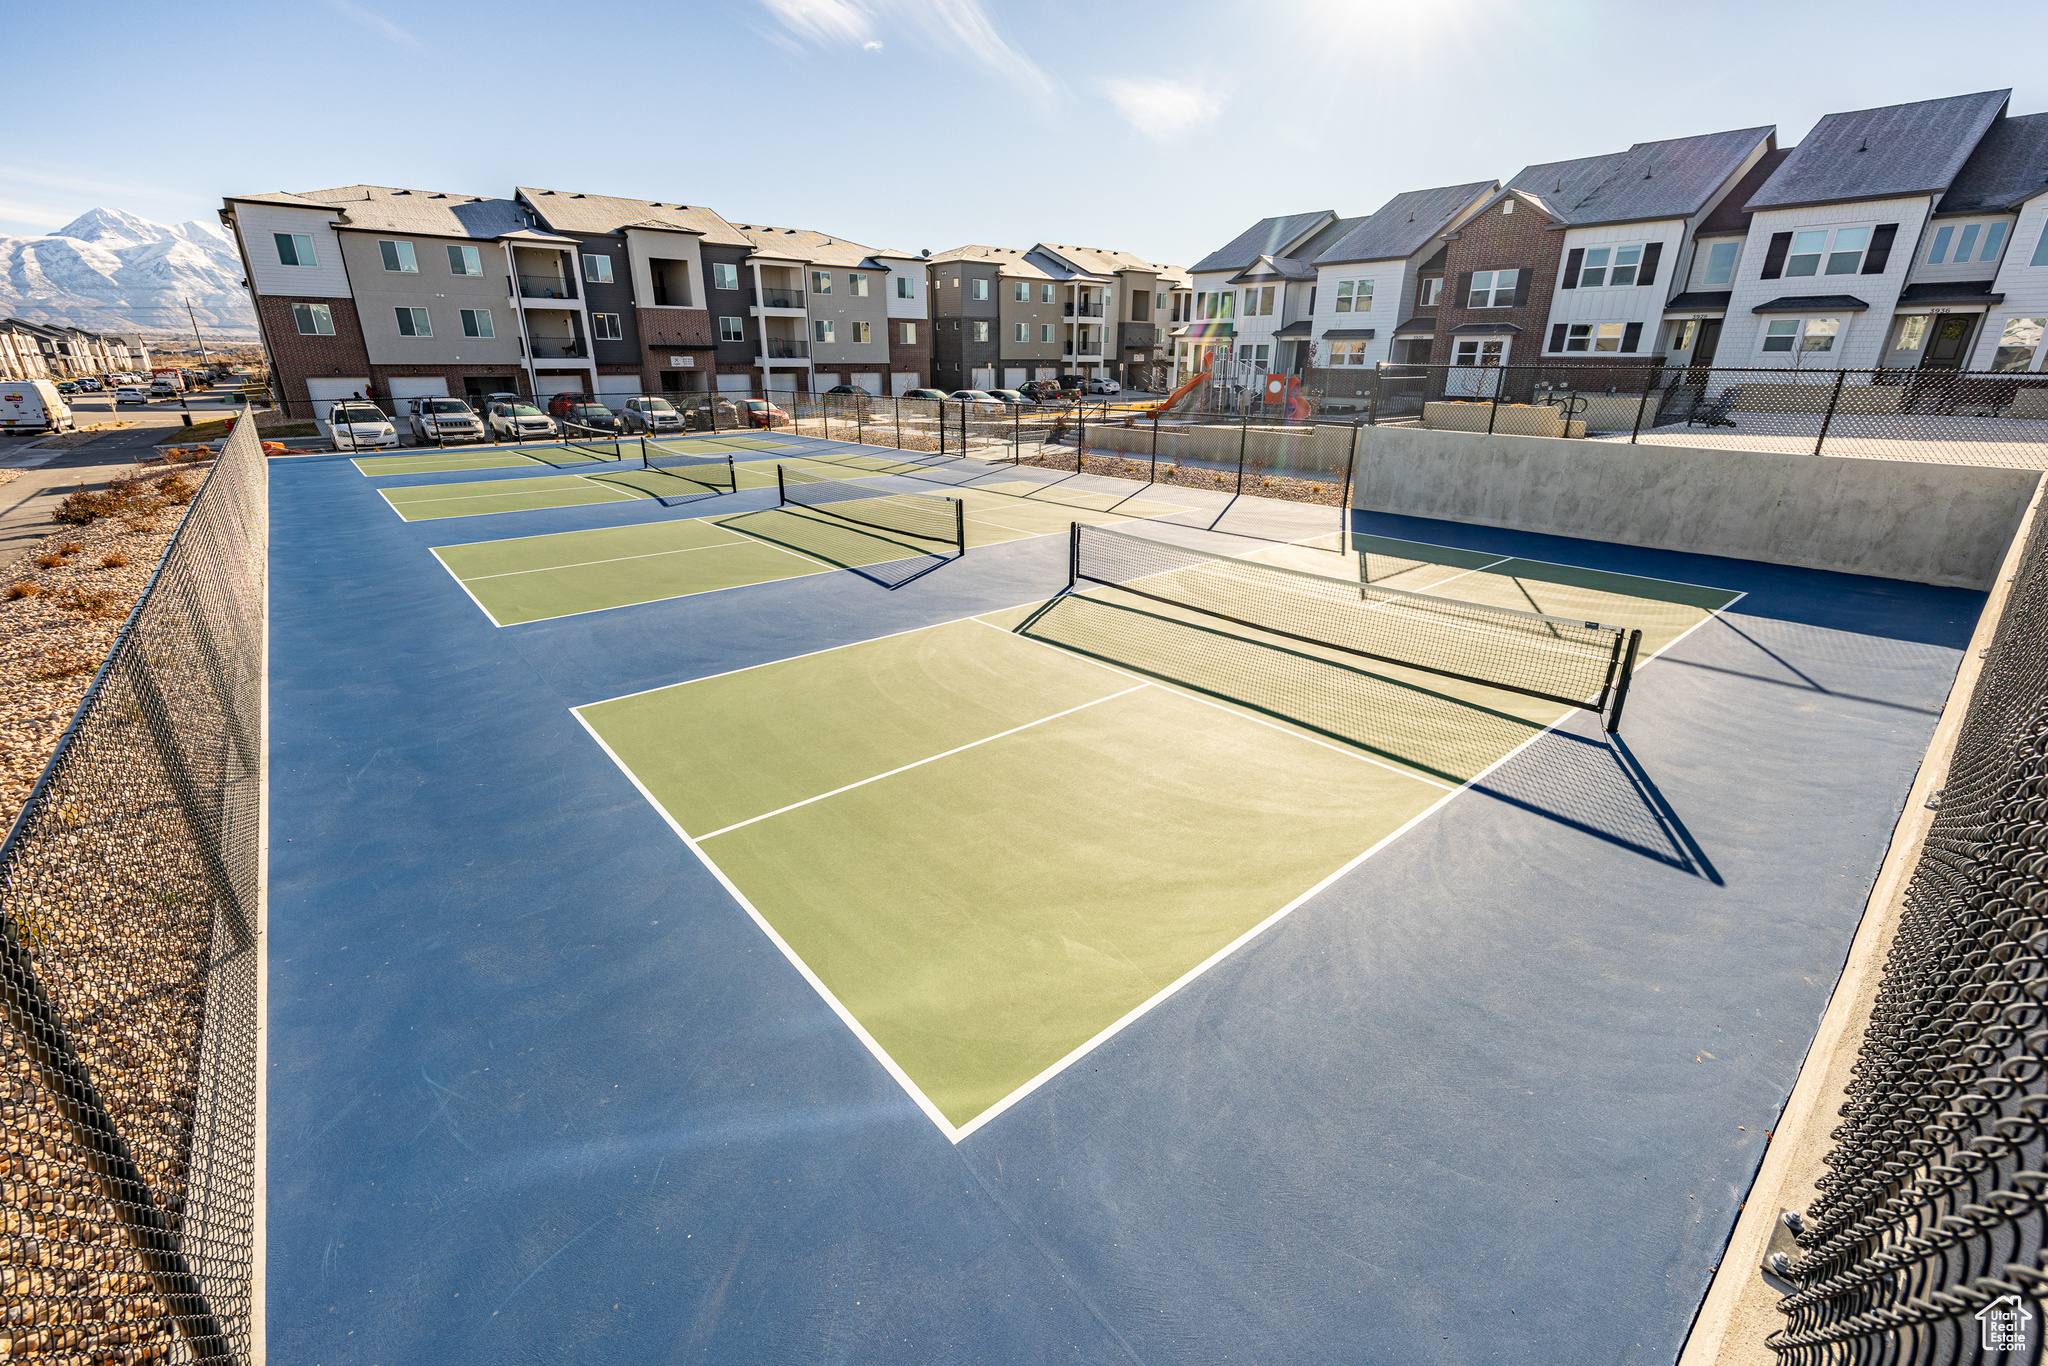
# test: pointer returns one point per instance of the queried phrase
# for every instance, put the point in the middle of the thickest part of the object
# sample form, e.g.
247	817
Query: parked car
518	420
128	393
1014	397
651	415
1073	384
844	389
985	403
762	413
162	388
594	416
933	395
1039	390
442	420
360	426
559	404
66	387
1099	385
33	405
704	414
90	385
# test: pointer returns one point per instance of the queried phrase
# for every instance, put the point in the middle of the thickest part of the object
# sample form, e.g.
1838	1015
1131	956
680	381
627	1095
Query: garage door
559	384
868	384
984	378
782	381
435	386
735	384
821	380
1013	377
904	381
614	390
324	391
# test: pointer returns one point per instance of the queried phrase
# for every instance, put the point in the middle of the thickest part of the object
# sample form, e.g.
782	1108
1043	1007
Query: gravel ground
54	637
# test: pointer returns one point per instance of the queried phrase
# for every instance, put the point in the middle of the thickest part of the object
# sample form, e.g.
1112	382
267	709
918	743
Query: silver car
519	422
436	420
651	415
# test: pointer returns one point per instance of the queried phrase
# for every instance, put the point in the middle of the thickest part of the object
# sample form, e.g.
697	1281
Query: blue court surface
552	1078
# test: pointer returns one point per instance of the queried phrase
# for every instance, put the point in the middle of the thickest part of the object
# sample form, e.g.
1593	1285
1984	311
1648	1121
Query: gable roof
2009	165
1731	216
1404	224
1887	153
1095	260
282	198
429	213
1673	178
810	246
1268	236
565	211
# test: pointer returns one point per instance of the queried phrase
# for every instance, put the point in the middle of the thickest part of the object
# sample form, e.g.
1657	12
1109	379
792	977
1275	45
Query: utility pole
195	334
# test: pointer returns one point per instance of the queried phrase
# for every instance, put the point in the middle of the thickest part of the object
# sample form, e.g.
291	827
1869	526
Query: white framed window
1354	296
1843	254
476	322
1265	302
1912	332
1244	353
1608	266
314	320
821	282
1020	291
1493	289
725	275
732	329
413	322
1820	334
1973	241
824	330
597	269
2041	249
1045	293
1804	335
2019	344
1721	263
907	336
295	249
1683	334
1022	333
861	333
605	327
857	284
1432	290
1045	332
398	256
906	287
464	260
1261	354
981	289
981	328
1347	353
1594	336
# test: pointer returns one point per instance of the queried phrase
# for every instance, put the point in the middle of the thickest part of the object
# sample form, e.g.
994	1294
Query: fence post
1833	399
1016	434
1080	432
1344	499
1499	383
1153	477
1244	428
1372	414
897	403
824	413
942	429
1650	374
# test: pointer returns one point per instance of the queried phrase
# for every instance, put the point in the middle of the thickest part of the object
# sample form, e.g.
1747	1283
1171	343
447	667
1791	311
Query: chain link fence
129	972
1936	1199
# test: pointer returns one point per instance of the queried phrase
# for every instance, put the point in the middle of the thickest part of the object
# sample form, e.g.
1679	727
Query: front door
1950	342
1476	363
1709	342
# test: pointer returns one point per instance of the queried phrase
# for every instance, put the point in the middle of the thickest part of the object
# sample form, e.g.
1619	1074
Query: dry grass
114	559
27	588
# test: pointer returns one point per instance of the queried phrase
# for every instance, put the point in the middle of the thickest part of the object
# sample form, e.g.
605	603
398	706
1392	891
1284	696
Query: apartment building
1127	290
20	355
966	312
842	290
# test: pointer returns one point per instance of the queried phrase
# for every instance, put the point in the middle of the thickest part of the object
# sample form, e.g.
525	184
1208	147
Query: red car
762	413
559	404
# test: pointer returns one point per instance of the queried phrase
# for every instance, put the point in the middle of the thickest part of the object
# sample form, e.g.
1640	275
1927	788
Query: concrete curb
1740	1309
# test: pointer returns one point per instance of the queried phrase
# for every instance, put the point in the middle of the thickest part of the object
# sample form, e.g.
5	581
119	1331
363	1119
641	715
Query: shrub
91	604
114	559
50	559
27	588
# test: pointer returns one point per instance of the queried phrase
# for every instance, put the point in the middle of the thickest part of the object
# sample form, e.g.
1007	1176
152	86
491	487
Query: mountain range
110	271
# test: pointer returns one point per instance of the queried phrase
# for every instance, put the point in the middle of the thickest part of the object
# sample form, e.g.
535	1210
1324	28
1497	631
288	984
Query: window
2019	342
1432	290
906	288
1493	289
1610	266
908	334
732	329
412	322
1942	237
1045	293
1023	332
1045	331
821	282
1912	332
476	322
1779	335
824	330
1845	258
2041	250
1992	236
1820	334
1803	334
605	327
1721	263
464	260
597	269
857	284
1682	334
1266	298
398	256
294	249
1020	292
1355	292
1261	354
981	328
981	289
861	334
1226	303
314	320
1244	353
1593	337
1347	353
725	275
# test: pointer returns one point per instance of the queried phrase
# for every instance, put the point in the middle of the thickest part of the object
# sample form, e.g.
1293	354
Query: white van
33	405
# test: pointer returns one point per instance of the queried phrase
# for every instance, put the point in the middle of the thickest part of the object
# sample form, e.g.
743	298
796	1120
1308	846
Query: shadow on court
1596	787
876	556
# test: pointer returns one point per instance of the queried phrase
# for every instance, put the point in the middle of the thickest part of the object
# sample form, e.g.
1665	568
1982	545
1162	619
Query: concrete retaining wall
1896	519
1322	449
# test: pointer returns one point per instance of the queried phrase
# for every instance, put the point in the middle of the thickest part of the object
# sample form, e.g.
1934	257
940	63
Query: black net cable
128	972
1577	663
712	471
594	441
928	516
1934	1204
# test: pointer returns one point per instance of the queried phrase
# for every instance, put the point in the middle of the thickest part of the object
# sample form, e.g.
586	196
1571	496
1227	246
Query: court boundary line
1561	564
958	1134
616	559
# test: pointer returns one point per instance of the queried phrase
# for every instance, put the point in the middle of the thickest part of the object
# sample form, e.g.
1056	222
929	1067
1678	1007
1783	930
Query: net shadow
663	486
1598	789
878	557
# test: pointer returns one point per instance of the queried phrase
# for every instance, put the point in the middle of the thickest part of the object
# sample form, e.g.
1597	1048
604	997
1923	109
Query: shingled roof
568	212
1403	225
2009	165
1731	216
1673	178
1267	237
428	213
1887	153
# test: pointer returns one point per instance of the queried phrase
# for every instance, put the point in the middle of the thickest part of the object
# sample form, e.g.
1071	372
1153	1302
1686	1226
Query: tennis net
594	442
928	516
1577	663
711	471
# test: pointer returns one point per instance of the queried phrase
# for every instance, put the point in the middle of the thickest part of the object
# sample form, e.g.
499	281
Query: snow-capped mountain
113	272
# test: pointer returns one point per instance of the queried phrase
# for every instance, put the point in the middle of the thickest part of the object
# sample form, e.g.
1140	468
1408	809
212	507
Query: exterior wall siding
380	293
1638	303
295	358
1863	337
2024	284
1493	240
1393	285
327	279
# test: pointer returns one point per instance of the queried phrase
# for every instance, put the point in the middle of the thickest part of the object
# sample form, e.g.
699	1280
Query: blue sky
1161	129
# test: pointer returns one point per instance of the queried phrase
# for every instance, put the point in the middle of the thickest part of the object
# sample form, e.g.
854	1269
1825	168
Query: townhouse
2006	176
1273	300
30	350
1174	305
1206	339
21	357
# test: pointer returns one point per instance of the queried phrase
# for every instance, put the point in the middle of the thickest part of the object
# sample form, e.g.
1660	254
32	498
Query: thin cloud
376	23
1162	110
948	29
823	21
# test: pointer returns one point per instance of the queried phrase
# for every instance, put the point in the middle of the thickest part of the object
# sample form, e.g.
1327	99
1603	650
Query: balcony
771	297
782	348
1140	336
548	348
1085	311
546	287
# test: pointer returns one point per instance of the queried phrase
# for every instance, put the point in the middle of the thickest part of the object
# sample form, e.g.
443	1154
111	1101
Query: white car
436	421
1104	386
163	388
519	421
360	426
33	405
650	415
128	393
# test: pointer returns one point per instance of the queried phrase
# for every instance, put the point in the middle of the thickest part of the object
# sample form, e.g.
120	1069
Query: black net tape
1932	1209
128	973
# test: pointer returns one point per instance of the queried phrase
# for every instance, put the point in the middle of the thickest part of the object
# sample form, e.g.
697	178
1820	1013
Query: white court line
616	559
489	616
509	493
959	749
1558	564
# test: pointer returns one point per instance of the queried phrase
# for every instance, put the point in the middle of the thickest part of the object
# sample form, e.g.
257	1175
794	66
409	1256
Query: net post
1628	670
732	474
1073	555
646	461
960	523
781	492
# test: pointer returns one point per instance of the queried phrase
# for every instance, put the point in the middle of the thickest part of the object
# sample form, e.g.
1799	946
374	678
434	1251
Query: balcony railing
780	349
776	298
546	287
1086	311
545	348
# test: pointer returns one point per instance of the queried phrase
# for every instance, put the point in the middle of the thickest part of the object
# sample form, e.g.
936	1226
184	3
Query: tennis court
449	459
1260	767
534	578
